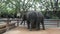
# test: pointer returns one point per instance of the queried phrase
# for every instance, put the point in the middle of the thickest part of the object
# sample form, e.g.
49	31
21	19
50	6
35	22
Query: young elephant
23	19
34	19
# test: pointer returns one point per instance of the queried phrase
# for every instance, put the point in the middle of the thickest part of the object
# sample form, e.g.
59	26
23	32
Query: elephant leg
36	25
24	23
21	23
39	25
31	24
42	22
28	24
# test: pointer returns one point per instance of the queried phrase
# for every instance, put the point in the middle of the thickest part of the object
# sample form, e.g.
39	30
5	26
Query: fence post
17	21
7	24
57	23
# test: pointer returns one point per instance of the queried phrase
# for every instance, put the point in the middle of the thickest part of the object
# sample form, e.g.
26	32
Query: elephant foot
28	27
30	30
38	28
43	28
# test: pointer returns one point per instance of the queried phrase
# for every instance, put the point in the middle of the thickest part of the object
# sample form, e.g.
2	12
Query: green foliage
12	7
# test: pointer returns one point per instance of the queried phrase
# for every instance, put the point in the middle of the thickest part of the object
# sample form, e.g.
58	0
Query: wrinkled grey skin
34	19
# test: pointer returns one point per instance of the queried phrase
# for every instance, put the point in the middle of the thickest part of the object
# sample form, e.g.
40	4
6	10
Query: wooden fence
10	25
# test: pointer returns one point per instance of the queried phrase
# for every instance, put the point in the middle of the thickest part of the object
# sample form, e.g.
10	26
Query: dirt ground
24	30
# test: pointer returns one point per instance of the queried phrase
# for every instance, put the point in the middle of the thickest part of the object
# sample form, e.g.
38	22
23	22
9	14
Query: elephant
24	19
34	18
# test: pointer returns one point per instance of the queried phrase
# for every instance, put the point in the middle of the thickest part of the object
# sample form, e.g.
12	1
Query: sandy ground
24	30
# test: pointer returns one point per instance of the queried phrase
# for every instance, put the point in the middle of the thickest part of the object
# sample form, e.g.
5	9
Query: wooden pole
17	21
7	24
